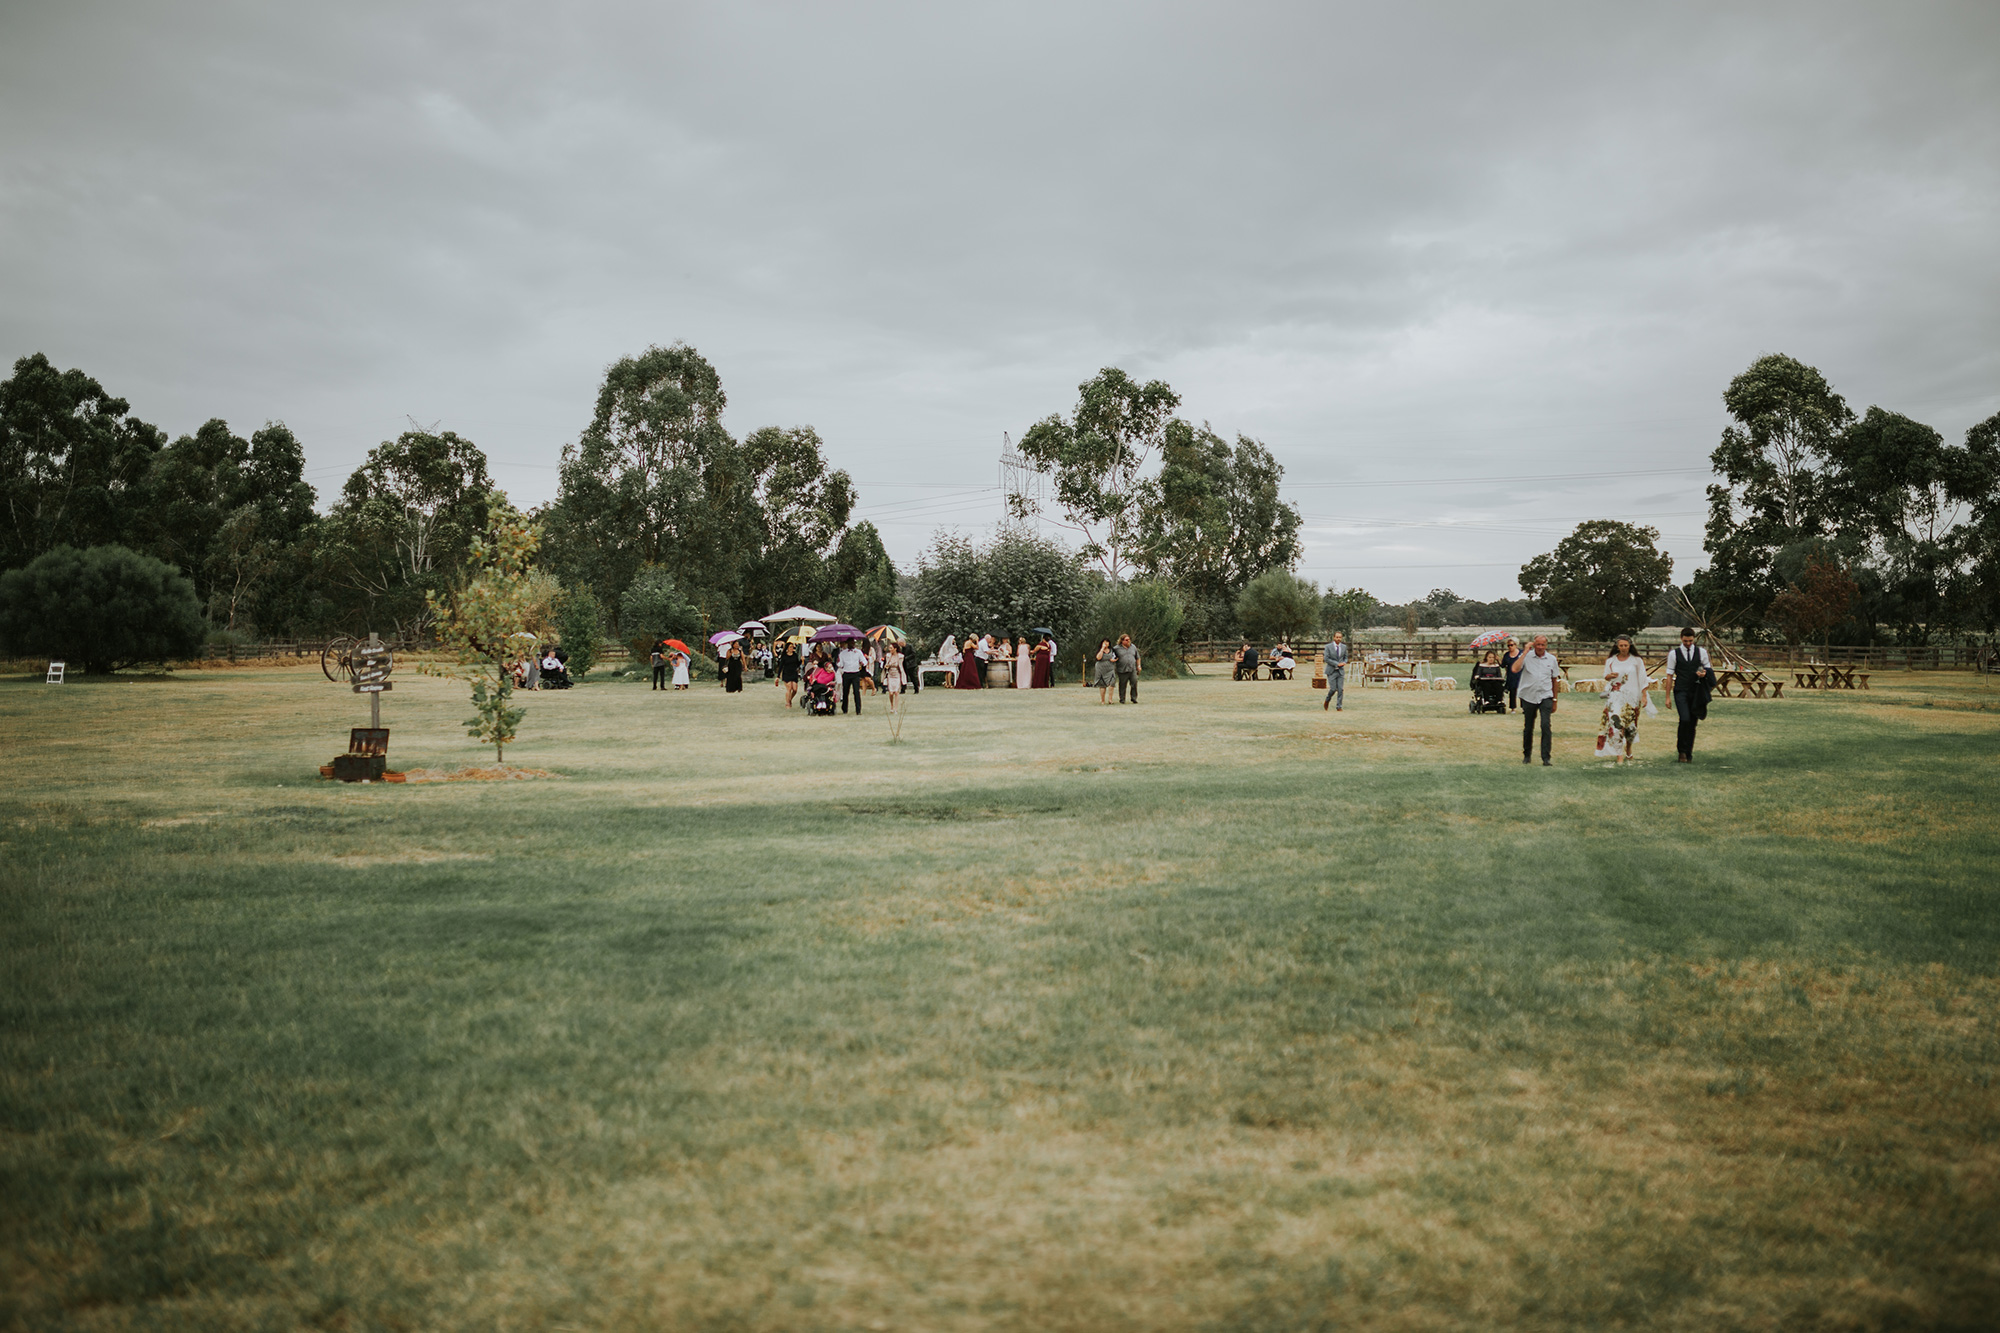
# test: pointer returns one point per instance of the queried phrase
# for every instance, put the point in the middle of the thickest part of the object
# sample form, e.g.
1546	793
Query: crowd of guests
1030	659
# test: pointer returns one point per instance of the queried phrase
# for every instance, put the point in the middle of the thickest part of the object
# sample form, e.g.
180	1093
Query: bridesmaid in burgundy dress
970	667
1041	679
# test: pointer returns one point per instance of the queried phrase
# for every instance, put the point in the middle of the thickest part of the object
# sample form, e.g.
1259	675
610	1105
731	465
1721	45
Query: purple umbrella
724	636
836	633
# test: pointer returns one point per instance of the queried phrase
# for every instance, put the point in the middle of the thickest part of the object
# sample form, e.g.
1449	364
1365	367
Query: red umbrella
678	646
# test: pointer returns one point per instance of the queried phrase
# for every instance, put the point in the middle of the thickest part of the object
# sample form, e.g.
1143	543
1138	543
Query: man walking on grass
1336	675
1126	656
853	665
1538	697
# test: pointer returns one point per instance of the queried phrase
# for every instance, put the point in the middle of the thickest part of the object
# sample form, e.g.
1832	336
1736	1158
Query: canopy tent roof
798	613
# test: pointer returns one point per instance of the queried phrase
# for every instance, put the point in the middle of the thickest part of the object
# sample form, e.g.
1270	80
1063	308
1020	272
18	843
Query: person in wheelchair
819	689
1489	686
555	673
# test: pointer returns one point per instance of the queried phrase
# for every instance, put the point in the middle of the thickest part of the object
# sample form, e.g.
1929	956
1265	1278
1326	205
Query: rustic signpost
367	757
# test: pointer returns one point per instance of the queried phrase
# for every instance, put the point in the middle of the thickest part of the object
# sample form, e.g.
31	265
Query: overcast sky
1473	272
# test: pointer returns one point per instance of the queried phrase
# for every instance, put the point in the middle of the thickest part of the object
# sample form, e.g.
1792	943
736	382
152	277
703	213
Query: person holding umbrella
681	660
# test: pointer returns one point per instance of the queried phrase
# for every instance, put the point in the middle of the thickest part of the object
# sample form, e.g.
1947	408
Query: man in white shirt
1539	671
852	663
1694	681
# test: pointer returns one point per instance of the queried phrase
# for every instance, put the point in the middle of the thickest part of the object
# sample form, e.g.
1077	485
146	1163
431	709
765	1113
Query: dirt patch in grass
489	773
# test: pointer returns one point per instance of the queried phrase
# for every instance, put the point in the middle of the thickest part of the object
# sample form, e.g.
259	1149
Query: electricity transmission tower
1021	485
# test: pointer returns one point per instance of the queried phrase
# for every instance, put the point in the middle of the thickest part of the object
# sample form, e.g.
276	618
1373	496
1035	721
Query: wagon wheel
337	659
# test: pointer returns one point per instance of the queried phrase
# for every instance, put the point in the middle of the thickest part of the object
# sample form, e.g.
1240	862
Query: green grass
1220	1012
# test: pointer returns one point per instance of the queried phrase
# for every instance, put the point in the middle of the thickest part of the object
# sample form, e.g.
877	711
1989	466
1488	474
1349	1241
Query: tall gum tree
1212	520
1095	456
1771	487
1906	497
802	509
73	462
232	513
403	527
654	479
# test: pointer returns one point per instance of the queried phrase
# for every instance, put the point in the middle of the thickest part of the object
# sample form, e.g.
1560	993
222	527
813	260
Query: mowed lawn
1220	1012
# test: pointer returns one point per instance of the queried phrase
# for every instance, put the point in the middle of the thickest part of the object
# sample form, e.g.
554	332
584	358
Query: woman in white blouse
1625	683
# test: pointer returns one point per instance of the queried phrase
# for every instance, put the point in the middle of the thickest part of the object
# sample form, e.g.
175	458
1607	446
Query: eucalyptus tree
1095	456
801	512
73	462
654	479
1771	490
1212	520
1906	497
403	529
237	516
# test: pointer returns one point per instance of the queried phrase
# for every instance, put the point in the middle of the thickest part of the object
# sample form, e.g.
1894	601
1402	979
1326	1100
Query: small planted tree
478	621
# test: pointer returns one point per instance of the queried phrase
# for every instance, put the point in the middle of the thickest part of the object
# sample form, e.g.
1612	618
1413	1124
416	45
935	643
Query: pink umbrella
1491	637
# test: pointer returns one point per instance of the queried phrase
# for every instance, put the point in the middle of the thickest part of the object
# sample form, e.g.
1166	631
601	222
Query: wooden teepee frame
1720	654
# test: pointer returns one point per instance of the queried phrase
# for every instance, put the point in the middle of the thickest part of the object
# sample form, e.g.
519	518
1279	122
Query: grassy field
1221	1012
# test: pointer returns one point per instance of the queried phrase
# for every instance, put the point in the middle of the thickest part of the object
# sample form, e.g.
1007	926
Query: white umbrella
800	613
523	634
750	626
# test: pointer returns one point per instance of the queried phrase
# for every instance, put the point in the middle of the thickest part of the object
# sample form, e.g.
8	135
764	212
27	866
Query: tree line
664	522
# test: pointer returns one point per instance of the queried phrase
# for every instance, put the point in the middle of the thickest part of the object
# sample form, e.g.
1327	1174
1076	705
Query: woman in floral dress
1625	684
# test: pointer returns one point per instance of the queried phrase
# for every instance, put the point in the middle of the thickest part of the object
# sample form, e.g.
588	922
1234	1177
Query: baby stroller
819	698
1489	690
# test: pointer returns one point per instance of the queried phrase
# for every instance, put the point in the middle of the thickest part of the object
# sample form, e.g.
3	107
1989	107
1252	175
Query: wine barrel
998	676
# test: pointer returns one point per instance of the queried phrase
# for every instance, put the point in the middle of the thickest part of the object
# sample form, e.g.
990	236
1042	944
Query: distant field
1221	1012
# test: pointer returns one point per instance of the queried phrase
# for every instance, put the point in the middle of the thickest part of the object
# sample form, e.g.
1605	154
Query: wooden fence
1948	657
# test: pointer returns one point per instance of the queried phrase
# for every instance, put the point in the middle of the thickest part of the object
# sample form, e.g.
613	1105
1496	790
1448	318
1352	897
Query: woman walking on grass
1625	684
1107	670
1510	661
891	677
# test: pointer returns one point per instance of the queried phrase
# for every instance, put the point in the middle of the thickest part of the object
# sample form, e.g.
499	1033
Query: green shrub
579	628
1151	613
1014	583
102	608
654	608
1277	604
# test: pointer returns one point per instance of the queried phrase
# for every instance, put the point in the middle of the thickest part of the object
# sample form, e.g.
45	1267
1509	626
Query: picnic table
1382	670
1826	676
1750	683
